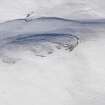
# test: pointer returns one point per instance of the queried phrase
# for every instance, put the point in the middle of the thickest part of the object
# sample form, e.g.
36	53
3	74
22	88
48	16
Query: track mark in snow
40	44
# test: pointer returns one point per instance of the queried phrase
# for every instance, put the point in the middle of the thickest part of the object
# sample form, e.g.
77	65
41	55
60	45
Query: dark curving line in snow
41	44
50	37
66	40
42	19
85	21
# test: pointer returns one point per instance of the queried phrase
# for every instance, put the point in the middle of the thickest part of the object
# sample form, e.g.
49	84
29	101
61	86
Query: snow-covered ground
10	9
63	77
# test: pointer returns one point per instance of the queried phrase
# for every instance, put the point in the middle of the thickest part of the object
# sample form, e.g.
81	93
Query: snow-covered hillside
41	70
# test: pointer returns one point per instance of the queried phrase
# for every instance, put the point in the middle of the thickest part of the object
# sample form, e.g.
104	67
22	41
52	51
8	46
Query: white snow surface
13	9
61	78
